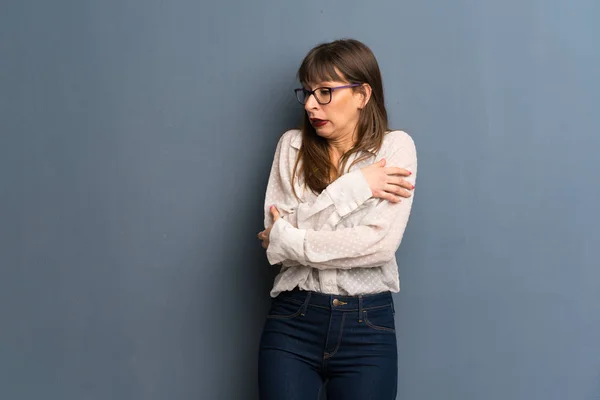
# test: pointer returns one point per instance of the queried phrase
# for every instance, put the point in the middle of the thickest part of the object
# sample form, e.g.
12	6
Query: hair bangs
319	67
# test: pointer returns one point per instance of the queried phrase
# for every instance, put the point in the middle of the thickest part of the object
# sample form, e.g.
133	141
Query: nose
311	103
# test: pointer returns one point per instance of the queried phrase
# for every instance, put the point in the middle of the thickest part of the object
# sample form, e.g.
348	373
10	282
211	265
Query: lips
317	123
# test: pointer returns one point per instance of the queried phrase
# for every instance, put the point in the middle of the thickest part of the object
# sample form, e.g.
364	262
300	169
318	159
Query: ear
365	92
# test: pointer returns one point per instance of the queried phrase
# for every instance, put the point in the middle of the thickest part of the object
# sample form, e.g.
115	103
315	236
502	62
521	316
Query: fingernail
410	172
413	186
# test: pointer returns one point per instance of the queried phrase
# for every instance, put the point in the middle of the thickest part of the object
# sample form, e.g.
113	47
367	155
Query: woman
334	218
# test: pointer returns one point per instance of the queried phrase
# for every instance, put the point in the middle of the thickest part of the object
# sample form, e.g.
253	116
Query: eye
324	91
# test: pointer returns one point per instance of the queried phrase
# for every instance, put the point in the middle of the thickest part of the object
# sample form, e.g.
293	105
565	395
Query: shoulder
396	140
291	138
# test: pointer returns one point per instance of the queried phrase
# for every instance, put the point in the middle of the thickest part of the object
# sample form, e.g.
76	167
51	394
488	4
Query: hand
386	183
265	235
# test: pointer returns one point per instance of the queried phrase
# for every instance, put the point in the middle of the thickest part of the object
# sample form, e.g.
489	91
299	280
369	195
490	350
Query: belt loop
360	308
305	305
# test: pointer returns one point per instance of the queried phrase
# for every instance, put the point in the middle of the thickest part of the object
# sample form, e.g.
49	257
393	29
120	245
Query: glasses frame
307	93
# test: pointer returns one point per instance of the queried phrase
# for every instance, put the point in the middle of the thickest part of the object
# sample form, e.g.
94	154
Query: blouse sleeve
339	199
371	243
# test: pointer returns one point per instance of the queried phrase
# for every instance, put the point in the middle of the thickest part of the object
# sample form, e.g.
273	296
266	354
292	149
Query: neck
339	146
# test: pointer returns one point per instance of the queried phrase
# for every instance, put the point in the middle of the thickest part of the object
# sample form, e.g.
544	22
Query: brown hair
351	61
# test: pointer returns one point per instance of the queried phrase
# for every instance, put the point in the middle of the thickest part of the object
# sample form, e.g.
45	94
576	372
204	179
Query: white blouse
341	241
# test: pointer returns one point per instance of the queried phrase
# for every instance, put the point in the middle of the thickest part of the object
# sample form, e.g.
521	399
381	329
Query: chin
323	132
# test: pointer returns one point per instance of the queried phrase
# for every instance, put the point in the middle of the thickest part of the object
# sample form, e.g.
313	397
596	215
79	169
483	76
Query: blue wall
135	142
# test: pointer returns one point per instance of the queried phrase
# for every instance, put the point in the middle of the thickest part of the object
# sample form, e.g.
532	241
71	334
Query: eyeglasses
322	94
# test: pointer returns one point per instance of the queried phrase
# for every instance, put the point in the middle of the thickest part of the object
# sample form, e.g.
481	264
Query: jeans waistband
337	302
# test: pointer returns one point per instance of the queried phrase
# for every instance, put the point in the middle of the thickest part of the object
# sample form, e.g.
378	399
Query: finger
264	245
260	235
398	191
392	198
379	164
275	213
396	180
402	193
397	171
389	196
407	185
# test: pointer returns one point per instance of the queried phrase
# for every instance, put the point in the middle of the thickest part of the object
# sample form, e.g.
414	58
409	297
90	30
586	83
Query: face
337	119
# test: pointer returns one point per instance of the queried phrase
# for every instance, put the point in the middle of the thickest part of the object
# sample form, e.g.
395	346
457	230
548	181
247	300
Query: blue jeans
343	345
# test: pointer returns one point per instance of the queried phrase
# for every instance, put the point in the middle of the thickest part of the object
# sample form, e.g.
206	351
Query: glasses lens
301	95
323	95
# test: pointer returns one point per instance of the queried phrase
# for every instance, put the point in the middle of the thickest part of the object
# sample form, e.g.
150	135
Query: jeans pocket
380	319
284	309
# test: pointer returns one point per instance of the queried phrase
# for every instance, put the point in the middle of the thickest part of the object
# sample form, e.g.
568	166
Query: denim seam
377	327
337	347
295	301
342	309
325	353
294	315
